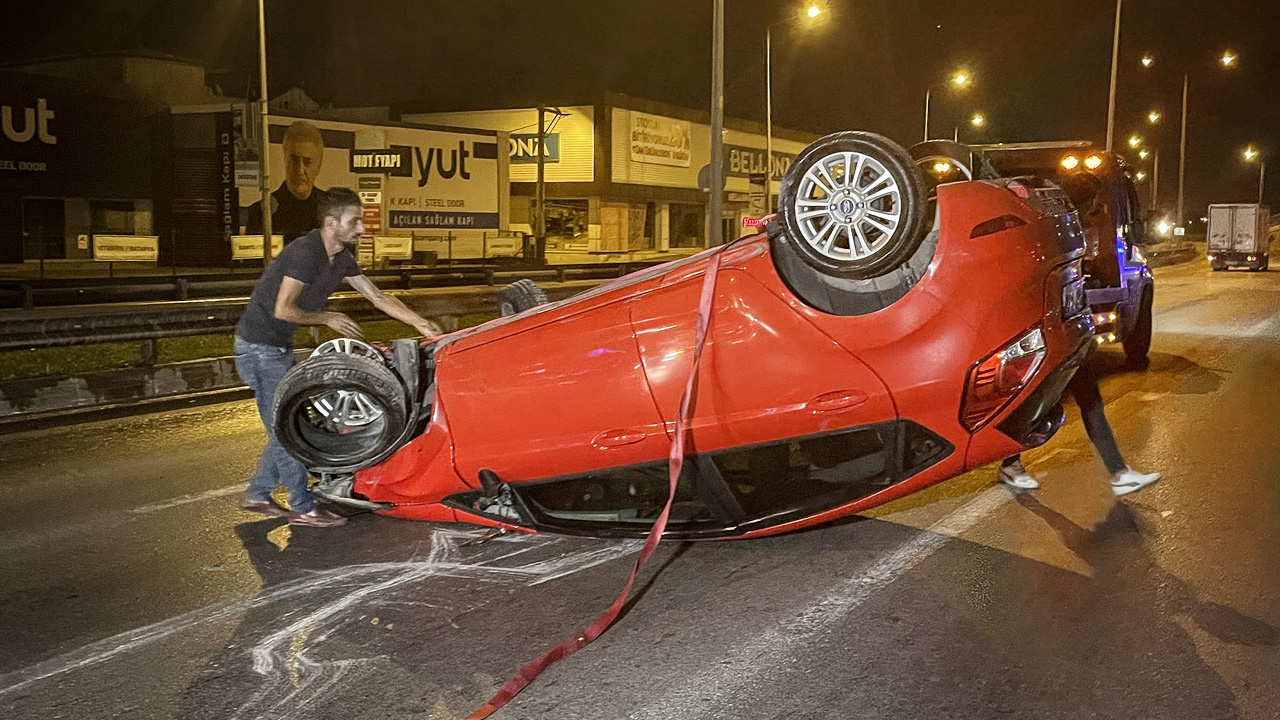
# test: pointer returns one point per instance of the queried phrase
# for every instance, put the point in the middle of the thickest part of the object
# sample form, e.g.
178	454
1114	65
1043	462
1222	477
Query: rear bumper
1231	257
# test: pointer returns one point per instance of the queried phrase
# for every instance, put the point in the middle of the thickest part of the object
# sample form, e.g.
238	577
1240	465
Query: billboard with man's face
422	179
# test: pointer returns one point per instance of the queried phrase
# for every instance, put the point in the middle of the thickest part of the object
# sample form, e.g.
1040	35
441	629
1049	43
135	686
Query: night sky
1040	66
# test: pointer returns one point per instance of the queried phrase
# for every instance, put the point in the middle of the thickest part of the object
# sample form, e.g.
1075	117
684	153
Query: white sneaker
1128	480
1016	476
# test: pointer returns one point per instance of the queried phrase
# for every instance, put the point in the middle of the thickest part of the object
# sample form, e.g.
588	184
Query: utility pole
1182	154
264	181
540	196
768	119
715	204
1155	180
1115	68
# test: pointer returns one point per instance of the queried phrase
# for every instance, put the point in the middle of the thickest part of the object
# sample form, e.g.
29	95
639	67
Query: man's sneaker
1016	476
1128	480
317	518
266	507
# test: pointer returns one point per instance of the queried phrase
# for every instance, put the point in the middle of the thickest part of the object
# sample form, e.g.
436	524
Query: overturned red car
882	336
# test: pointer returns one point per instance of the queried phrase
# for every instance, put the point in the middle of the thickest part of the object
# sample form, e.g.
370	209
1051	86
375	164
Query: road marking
185	499
277	650
733	679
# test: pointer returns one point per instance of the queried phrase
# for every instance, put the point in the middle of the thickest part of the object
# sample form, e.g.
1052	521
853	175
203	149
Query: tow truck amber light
1070	162
995	381
1093	162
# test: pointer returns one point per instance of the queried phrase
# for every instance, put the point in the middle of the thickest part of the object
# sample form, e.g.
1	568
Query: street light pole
1155	180
768	118
1115	67
264	181
540	194
927	94
1262	177
1182	153
715	205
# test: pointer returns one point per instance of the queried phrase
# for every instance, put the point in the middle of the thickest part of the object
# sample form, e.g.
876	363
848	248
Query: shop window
687	226
112	217
567	220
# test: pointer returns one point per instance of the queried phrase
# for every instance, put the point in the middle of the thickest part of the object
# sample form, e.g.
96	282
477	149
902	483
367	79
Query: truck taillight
999	377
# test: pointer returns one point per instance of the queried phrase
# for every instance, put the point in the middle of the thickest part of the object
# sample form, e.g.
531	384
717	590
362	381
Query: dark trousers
1084	389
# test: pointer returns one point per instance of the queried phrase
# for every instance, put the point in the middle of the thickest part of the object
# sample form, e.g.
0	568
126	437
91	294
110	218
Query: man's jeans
262	367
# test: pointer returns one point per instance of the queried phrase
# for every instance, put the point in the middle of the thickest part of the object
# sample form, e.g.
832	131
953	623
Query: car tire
519	296
323	407
857	224
1137	343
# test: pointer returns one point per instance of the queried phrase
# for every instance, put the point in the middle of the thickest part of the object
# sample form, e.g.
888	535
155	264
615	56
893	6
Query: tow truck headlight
998	378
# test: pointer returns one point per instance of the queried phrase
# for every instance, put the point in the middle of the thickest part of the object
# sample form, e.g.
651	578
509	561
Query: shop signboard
369	182
742	161
126	248
524	148
393	247
757	205
396	161
660	141
371	215
249	247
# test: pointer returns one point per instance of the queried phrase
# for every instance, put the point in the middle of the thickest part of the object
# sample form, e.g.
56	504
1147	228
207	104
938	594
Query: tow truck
1118	283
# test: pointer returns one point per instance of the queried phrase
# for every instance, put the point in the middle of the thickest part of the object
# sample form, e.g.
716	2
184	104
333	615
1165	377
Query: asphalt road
133	587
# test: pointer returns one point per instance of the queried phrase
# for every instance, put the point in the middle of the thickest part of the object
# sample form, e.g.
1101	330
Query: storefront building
622	176
74	163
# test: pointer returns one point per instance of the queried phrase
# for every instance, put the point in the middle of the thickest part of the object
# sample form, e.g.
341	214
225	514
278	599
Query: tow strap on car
675	463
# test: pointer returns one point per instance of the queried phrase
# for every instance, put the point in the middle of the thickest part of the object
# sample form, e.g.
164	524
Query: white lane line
185	499
733	679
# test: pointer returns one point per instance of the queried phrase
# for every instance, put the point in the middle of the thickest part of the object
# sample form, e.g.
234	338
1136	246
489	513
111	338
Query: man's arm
392	306
287	309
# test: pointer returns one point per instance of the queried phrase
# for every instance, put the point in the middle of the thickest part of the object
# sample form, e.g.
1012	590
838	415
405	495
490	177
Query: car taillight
999	377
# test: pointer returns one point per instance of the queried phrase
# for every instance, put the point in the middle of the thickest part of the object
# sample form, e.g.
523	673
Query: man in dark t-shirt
293	291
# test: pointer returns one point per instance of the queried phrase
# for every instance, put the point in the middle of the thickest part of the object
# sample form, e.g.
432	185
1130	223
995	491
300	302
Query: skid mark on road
734	681
314	606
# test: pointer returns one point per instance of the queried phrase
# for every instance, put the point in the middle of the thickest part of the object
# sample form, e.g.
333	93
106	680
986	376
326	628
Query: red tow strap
533	669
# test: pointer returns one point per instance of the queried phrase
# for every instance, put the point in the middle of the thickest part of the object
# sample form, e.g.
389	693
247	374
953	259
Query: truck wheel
1138	342
852	205
520	296
338	412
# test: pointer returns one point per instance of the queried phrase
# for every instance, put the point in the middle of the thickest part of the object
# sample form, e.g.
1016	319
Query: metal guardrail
62	292
86	325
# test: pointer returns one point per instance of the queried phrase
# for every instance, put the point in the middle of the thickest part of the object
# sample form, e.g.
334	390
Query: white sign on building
659	140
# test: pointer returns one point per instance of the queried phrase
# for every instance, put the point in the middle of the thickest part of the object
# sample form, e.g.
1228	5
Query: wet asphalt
132	587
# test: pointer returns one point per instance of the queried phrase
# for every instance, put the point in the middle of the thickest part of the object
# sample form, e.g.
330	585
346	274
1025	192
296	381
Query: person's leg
1013	474
284	468
248	359
1084	388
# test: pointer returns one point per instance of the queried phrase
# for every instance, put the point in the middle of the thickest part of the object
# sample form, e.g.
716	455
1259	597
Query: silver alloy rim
343	409
848	207
347	408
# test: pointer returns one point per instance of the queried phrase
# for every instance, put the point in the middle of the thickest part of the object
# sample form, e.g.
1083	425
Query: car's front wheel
340	412
852	205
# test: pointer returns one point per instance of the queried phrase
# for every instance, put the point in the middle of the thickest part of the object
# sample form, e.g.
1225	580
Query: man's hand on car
343	325
428	328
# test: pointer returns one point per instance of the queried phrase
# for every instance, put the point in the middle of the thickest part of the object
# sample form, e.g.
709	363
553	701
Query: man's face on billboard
302	164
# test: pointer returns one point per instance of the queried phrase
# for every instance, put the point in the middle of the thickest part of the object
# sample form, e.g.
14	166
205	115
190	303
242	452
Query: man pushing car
292	292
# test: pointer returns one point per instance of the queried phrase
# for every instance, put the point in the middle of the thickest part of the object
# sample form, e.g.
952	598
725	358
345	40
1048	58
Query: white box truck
1239	236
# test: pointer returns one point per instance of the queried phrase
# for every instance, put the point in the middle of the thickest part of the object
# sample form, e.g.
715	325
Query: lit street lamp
1250	155
1228	61
959	80
1143	153
977	120
1134	141
1153	117
1147	60
1140	176
812	13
